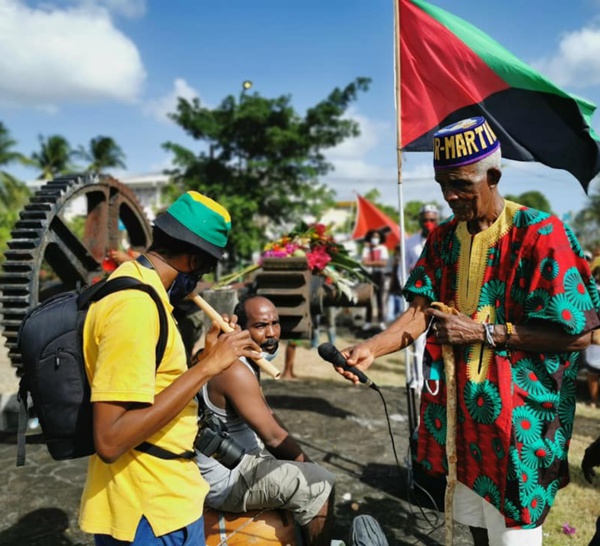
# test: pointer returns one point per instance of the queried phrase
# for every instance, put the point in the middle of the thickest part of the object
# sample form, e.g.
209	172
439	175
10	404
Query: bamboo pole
412	387
398	101
262	363
450	373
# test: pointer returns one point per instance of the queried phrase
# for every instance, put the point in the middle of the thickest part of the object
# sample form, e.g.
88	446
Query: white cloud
356	171
353	169
577	61
132	9
421	172
371	133
159	108
49	56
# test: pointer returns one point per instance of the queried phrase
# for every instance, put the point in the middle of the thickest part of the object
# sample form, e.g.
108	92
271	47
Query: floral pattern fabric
515	408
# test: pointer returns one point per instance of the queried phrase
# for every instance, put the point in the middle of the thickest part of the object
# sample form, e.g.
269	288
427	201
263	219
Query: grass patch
577	504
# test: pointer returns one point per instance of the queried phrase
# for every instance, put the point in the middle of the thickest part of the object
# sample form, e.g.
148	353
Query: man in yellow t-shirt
132	496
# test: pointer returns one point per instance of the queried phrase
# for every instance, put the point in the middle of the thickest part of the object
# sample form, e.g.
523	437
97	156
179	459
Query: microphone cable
433	523
331	354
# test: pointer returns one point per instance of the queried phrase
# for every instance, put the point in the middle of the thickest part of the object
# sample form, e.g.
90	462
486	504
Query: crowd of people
523	305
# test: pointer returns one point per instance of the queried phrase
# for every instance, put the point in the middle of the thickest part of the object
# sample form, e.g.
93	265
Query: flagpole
408	353
398	99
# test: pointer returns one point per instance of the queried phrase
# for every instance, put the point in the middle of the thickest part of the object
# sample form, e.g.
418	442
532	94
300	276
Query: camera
213	440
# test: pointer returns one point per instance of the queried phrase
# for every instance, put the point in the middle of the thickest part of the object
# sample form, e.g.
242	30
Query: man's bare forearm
401	333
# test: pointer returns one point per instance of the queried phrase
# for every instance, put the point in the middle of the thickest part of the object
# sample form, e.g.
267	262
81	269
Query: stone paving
341	426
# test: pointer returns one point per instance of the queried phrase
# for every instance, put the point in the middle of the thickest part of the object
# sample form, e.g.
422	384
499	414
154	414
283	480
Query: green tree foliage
261	159
411	216
103	153
586	223
53	158
532	199
14	194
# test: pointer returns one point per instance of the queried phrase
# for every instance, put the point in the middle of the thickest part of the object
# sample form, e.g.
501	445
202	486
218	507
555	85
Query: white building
147	188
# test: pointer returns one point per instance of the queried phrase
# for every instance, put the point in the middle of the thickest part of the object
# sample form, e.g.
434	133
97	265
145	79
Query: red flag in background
368	216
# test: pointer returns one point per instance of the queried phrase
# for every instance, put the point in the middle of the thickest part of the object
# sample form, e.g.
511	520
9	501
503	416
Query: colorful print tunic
515	408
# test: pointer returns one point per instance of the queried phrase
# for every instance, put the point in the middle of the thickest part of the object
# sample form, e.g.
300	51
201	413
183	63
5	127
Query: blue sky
83	68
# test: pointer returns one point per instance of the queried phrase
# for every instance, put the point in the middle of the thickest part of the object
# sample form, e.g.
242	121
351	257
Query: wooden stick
262	363
450	372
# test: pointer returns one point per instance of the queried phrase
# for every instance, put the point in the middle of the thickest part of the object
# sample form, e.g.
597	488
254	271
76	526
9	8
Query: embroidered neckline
474	254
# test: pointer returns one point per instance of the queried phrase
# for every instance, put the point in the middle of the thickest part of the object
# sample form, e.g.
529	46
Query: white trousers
472	510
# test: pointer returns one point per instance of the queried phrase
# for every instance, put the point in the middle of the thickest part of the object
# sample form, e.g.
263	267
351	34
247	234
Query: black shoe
366	531
596	538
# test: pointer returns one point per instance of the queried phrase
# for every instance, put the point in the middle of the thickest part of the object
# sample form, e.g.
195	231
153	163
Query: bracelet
509	332
489	335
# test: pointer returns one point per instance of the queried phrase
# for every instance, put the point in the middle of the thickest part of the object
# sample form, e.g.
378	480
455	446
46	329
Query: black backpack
50	341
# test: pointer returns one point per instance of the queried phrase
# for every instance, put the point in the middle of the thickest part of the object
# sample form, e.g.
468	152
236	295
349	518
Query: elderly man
526	304
275	472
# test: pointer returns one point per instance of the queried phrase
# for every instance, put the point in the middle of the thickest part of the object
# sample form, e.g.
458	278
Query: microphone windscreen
327	351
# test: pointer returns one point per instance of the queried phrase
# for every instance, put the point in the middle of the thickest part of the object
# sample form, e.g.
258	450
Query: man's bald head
241	309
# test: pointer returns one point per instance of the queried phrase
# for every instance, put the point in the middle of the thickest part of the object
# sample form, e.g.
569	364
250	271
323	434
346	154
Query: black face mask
183	284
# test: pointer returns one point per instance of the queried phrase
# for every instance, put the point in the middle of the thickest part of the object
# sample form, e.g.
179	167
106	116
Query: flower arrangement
324	256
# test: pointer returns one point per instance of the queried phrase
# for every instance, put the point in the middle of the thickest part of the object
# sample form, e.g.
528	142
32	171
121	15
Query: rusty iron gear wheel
46	256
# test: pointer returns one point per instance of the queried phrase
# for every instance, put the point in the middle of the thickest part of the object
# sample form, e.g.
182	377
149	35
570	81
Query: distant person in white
429	217
375	257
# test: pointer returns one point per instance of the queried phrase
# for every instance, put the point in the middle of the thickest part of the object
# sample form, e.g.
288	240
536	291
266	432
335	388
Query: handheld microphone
329	352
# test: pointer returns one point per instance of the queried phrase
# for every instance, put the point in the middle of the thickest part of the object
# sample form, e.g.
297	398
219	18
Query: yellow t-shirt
120	336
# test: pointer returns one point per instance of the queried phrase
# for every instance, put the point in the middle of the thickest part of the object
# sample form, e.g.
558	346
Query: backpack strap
104	288
22	423
161	453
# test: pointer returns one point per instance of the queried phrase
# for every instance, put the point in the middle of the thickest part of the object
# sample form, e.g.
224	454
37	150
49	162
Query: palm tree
7	155
103	153
14	194
54	157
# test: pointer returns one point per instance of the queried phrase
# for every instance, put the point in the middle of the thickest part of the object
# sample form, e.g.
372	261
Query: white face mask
269	356
375	241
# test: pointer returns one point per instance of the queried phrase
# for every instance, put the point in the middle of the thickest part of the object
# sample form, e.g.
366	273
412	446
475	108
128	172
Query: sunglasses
200	268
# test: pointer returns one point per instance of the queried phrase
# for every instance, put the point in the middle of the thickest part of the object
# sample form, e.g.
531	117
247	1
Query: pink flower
275	254
318	258
568	530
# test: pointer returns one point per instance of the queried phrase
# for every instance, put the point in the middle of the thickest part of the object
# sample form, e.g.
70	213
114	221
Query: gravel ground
341	426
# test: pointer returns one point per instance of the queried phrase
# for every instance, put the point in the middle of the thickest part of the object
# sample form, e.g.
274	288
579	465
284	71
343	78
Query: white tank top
220	478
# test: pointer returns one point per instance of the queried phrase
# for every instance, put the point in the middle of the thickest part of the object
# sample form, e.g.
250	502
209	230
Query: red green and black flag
450	70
